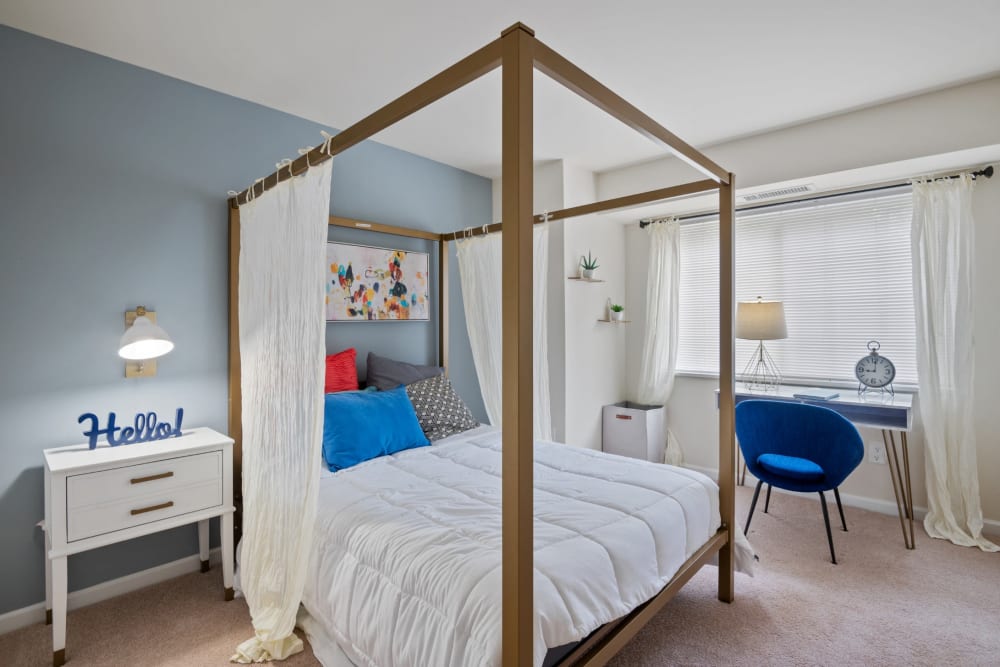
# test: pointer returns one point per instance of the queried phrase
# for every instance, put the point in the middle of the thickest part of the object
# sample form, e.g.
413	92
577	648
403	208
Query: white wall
595	351
956	119
549	196
986	209
636	278
586	358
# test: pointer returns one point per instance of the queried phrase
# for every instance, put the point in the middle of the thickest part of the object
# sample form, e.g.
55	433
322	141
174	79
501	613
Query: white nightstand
96	497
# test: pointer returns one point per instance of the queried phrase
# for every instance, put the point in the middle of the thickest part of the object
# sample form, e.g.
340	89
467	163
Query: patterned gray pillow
439	409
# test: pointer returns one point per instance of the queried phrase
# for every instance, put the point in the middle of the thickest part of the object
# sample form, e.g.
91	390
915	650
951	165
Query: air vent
777	194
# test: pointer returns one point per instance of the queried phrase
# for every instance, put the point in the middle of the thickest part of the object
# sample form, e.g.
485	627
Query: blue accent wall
113	185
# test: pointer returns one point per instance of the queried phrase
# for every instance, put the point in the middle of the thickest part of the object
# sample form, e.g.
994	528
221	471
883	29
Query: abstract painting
368	284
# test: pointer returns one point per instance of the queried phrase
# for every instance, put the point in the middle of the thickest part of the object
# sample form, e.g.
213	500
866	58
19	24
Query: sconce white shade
144	340
761	320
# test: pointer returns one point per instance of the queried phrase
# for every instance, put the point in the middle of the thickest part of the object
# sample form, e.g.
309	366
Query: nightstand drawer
109	500
138	481
84	522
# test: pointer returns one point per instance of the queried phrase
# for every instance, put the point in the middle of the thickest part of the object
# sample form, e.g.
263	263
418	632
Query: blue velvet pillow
358	426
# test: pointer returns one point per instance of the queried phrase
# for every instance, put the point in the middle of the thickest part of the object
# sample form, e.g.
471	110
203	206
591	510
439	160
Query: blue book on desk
817	394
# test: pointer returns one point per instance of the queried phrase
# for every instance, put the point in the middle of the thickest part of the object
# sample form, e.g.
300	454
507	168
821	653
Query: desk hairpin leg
901	487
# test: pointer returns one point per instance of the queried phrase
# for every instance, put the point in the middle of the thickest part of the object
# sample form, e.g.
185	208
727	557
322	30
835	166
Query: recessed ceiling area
709	72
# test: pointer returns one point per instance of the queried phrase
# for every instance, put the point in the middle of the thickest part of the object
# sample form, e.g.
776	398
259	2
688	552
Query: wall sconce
142	342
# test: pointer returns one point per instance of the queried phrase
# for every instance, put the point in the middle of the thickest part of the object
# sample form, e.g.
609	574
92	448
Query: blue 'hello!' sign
145	429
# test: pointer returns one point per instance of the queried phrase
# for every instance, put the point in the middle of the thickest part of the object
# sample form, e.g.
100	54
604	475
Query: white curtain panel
481	269
942	246
540	334
282	347
659	341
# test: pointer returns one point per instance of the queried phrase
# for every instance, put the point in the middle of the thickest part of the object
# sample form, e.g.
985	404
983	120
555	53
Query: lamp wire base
761	373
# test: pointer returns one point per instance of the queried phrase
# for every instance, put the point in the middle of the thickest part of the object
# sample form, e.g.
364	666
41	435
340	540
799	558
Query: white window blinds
841	266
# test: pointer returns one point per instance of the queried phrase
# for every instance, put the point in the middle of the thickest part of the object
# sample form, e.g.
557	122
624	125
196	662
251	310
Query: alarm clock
875	371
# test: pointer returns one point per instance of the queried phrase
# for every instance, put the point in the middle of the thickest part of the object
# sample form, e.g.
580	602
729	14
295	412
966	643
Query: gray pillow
440	411
385	373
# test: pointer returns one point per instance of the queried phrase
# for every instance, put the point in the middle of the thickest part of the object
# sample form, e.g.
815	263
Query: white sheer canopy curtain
942	246
480	266
659	341
282	346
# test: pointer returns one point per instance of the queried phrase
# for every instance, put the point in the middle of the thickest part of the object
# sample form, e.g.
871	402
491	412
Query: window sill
903	388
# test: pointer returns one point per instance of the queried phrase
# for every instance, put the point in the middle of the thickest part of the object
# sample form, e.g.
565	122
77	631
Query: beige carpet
882	605
179	623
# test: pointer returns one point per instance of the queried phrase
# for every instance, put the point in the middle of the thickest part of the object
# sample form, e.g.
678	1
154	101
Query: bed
510	527
406	565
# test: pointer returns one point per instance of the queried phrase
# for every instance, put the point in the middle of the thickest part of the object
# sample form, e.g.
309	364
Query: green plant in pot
588	265
617	312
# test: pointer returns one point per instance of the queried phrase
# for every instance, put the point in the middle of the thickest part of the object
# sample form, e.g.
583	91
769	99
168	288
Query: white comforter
406	568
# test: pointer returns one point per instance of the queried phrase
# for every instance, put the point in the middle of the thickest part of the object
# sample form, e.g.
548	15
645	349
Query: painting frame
366	283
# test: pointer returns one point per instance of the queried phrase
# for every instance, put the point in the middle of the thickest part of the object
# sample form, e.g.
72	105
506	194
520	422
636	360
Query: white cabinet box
636	430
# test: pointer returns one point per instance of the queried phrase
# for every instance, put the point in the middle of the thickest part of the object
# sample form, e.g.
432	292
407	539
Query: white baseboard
990	526
20	618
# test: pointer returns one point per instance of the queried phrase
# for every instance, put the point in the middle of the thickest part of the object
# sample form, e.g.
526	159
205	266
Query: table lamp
761	320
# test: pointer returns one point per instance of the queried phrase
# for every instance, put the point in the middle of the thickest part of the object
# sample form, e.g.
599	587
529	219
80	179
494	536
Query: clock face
875	371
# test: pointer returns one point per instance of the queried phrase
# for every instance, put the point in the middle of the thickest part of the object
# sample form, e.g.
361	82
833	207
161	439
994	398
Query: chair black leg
753	504
843	521
829	533
767	499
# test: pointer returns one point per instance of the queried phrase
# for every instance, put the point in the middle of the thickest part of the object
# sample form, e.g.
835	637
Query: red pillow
341	372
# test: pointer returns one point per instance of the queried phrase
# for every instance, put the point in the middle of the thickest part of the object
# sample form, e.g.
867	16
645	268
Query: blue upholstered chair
797	447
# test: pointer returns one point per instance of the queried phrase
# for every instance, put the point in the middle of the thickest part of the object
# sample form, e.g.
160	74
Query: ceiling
708	71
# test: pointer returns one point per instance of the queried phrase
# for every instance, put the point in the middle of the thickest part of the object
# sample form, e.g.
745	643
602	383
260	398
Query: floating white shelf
616	321
585	280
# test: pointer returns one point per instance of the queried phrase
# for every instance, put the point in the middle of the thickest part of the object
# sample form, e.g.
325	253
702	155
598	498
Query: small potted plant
617	312
588	265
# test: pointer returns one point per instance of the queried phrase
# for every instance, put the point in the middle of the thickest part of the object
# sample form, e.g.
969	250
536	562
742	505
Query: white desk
888	413
96	497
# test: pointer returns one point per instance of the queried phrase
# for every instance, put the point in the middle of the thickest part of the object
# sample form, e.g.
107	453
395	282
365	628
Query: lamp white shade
144	340
761	320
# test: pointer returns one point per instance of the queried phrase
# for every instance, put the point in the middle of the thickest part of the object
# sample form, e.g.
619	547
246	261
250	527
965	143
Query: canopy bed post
235	390
652	196
518	386
727	386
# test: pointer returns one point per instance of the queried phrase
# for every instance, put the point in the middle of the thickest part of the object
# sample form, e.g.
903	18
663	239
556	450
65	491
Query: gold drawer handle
625	417
153	508
162	475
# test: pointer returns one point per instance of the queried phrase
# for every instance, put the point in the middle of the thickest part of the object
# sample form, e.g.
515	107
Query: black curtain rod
986	172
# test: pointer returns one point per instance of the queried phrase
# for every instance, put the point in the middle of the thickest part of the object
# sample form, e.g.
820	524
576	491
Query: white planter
617	317
588	274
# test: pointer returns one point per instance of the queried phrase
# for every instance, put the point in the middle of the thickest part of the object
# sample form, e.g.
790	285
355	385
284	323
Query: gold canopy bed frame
518	52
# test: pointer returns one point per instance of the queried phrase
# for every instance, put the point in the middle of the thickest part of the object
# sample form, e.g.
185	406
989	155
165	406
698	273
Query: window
841	266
